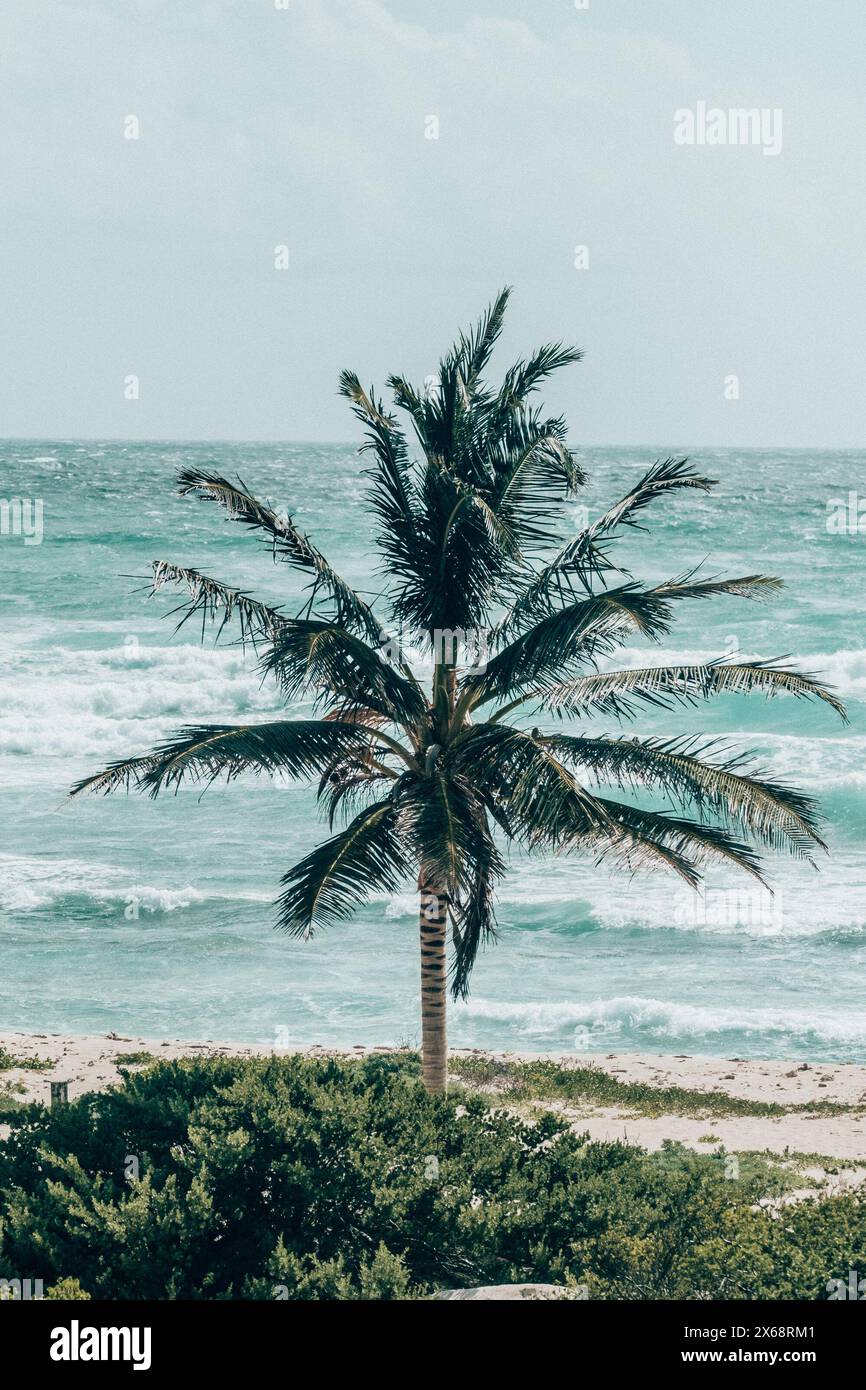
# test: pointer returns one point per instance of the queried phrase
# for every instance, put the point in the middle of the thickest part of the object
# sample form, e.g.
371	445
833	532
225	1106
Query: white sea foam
660	1022
64	702
67	703
845	670
562	894
31	882
816	763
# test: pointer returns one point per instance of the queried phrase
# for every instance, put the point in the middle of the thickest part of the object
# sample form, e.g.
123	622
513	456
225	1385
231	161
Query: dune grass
8	1060
542	1080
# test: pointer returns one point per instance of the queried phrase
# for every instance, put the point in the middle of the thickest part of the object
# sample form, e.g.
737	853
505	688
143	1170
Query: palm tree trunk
434	1048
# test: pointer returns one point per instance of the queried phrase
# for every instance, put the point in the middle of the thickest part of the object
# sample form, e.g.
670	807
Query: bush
313	1178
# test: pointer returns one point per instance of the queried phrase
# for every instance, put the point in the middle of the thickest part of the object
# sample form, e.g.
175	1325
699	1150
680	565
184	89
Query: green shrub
311	1178
9	1102
8	1060
67	1291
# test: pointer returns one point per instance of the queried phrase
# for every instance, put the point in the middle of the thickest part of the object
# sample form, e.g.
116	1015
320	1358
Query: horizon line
354	444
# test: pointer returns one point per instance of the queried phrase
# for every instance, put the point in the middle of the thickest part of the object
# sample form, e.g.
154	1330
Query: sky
411	157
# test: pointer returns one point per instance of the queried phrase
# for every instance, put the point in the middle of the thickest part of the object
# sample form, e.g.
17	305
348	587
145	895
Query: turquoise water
154	918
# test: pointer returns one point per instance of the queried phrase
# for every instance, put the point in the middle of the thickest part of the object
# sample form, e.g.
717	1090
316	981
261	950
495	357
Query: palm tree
432	776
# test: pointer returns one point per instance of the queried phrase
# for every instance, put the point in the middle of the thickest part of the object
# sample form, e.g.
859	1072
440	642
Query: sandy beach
91	1063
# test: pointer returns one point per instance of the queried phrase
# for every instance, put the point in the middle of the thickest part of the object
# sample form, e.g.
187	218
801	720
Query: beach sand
91	1063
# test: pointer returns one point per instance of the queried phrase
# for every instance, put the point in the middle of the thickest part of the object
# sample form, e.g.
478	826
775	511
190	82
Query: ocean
154	918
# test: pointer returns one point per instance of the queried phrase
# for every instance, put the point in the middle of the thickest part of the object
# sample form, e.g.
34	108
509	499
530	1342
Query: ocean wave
67	703
30	883
818	762
634	1018
801	910
567	896
845	670
61	701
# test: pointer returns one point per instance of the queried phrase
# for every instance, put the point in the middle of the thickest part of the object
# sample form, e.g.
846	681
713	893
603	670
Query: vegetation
310	1178
8	1060
9	1101
546	1080
515	621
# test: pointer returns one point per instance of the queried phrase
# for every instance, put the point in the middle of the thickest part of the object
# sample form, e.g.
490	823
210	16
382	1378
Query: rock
512	1292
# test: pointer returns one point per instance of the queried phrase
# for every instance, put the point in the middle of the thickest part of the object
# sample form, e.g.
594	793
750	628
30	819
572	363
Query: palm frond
461	549
636	850
348	782
704	844
287	543
474	348
446	823
393	494
525	377
775	814
327	885
443	819
584	558
614	692
294	747
534	472
357	714
753	586
310	656
582	631
539	799
418	407
474	921
217	603
665	476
